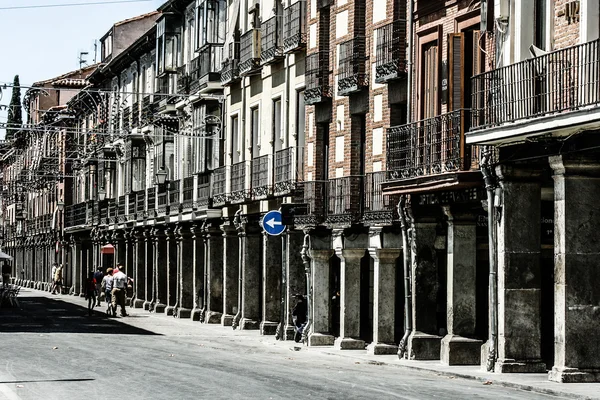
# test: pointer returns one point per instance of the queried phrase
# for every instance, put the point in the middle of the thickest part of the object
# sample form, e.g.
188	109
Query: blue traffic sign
272	223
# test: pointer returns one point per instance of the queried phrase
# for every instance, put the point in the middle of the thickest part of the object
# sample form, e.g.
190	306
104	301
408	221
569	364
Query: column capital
459	215
508	173
577	165
350	254
385	255
320	254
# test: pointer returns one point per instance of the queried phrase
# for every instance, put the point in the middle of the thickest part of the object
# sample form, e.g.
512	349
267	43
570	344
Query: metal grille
238	181
271	46
294	32
375	200
203	195
260	176
345	195
427	147
229	67
219	186
351	72
391	51
317	77
563	80
249	59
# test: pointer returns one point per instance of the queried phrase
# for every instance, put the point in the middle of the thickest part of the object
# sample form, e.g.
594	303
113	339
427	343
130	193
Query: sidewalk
161	323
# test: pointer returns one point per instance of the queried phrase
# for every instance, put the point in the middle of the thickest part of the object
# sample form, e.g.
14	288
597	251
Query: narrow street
51	349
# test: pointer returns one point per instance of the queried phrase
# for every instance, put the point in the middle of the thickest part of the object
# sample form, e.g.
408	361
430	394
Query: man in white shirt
118	291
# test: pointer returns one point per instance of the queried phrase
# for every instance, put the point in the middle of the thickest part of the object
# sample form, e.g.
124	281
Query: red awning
107	249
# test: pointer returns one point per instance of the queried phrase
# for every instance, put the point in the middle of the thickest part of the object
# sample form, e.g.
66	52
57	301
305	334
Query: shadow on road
48	380
52	315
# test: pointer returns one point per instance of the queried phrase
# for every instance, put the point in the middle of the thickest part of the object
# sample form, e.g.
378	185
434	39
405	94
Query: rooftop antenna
81	59
95	51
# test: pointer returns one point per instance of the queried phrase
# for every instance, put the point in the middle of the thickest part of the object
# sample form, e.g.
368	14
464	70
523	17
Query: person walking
52	280
299	317
118	291
90	292
98	276
107	287
58	276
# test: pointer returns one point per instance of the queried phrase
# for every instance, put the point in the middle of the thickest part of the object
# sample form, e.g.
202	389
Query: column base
348	344
146	305
268	327
212	317
137	303
423	346
170	310
458	350
196	313
377	349
160	308
226	320
290	332
320	339
574	375
81	295
523	366
184	313
248	324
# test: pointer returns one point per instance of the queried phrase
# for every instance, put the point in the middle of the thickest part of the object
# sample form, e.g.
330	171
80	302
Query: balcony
131	197
205	74
230	72
431	152
162	204
271	40
315	198
391	52
121	209
261	184
288	170
318	88
126	127
294	27
140	207
74	215
103	210
250	52
379	209
203	199
187	193
351	73
554	92
148	111
135	115
112	211
219	186
174	200
151	202
239	193
344	200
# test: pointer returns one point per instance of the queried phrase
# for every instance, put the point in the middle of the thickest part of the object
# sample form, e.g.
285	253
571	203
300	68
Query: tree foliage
15	117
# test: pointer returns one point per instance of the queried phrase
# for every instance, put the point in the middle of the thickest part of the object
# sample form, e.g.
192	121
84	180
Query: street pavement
51	349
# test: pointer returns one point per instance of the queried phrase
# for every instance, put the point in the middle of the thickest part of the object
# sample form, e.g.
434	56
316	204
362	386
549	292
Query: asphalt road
51	349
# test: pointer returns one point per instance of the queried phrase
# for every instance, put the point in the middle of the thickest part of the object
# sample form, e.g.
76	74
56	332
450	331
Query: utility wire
72	4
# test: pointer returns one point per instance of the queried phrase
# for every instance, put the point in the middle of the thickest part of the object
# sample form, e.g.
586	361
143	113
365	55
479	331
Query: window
255	133
138	167
300	119
429	81
211	22
106	47
235	140
277	133
167	45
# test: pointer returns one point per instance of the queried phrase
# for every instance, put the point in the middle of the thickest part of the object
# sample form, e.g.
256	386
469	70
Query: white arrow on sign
272	223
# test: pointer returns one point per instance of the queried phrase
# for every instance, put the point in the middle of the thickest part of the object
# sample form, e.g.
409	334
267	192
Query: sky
41	43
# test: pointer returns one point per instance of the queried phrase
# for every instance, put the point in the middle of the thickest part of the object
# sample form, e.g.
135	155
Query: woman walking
90	292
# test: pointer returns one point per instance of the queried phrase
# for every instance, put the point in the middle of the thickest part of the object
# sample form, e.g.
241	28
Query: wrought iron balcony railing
557	82
271	40
183	80
219	186
239	192
140	207
187	193
378	208
148	111
174	201
250	52
103	206
318	88
121	209
294	27
429	147
288	170
126	127
203	199
151	202
206	68
345	195
131	206
112	211
230	72
351	73
391	52
315	198
261	182
135	115
162	202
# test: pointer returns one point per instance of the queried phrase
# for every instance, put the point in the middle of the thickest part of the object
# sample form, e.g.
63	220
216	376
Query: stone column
213	250
149	273
160	268
185	259
118	238
295	279
230	273
251	268
519	282
321	298
172	270
457	346
384	301
139	269
76	267
576	269
130	252
271	284
350	300
198	279
424	342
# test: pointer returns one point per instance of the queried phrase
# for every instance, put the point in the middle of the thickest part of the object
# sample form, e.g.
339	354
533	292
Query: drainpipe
490	185
307	271
407	293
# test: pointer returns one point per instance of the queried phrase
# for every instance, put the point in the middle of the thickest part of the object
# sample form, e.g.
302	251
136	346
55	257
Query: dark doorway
366	298
334	288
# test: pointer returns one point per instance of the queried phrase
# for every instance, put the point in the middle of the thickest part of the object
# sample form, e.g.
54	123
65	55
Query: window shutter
430	82
456	51
477	53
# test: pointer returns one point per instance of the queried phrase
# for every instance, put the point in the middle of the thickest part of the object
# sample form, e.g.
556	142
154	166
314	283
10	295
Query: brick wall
566	32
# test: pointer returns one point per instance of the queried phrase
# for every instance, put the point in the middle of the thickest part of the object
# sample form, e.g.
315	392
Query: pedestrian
107	286
58	277
299	317
6	273
98	276
52	281
118	291
90	292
